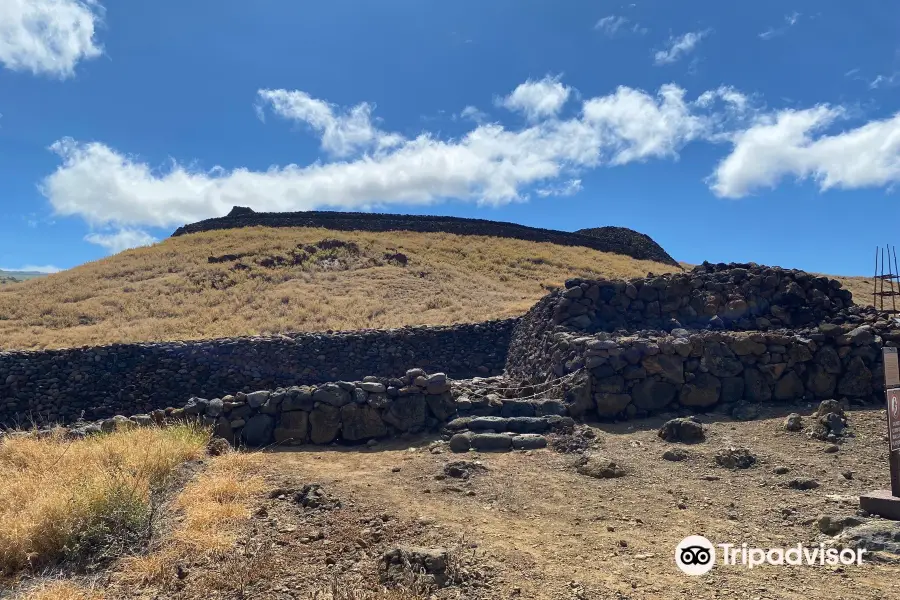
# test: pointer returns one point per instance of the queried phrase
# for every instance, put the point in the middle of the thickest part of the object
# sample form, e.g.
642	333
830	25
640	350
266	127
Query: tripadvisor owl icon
695	555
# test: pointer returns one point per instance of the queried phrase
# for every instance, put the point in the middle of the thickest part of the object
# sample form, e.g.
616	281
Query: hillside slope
269	280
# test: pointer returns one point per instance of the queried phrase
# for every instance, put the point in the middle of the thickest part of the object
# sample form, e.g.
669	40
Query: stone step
496	442
517	425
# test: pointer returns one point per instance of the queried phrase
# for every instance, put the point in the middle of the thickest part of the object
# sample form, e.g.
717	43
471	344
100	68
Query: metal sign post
887	502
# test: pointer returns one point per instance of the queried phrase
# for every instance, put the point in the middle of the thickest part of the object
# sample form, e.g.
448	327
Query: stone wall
722	334
614	239
58	385
744	297
470	414
637	375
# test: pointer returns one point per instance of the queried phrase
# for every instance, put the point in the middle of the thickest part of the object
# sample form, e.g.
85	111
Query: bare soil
528	525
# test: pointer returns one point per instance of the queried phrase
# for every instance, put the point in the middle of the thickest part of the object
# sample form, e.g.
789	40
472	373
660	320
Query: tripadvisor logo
696	555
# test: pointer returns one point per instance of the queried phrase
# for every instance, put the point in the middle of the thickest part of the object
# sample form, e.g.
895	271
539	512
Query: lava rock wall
618	240
96	382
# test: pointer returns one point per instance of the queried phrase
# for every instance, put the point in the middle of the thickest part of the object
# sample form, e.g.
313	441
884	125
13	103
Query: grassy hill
269	280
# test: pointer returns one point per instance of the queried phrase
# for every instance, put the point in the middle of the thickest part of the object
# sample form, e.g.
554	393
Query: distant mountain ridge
16	276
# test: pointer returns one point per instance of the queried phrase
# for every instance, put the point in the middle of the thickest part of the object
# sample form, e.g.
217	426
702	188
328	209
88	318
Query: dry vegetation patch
274	280
83	500
211	513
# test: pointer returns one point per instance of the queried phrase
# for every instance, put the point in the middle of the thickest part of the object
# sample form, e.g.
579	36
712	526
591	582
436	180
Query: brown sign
893	411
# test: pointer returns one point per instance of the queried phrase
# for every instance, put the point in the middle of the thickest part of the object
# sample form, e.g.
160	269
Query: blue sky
764	131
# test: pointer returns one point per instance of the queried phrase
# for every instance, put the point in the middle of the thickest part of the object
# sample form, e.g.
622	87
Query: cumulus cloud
48	37
34	269
791	143
537	99
120	240
343	133
490	164
679	47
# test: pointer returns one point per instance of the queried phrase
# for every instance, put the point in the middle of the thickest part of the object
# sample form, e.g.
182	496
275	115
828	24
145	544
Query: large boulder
789	387
720	360
297	398
652	395
669	367
820	382
756	386
333	395
442	405
857	381
406	413
578	395
361	423
293	428
703	391
324	423
609	405
258	430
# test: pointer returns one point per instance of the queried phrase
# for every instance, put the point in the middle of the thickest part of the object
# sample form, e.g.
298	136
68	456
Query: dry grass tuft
213	510
85	499
60	590
276	280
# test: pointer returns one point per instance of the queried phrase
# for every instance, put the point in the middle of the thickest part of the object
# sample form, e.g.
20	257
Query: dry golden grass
60	590
170	291
214	509
65	499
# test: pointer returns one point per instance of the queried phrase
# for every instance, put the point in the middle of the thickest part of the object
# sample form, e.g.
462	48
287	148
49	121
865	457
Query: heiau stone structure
618	240
767	335
732	335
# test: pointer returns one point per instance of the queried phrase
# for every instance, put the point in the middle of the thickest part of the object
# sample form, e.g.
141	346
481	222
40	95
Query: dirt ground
529	526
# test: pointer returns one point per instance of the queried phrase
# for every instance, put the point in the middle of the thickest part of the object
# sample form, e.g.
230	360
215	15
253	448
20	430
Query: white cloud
640	126
679	47
785	144
343	133
613	24
567	188
473	114
489	164
537	99
34	269
883	81
789	21
48	37
120	240
610	24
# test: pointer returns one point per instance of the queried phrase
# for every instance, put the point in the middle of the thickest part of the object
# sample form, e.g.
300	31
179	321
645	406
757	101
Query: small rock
685	430
802	484
599	467
831	449
780	470
675	455
735	458
793	422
